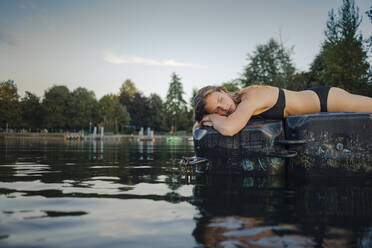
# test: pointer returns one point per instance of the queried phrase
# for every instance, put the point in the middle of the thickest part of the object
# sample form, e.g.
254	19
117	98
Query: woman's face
219	102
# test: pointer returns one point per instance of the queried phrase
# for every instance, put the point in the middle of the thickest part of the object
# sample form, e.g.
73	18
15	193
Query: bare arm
232	124
254	101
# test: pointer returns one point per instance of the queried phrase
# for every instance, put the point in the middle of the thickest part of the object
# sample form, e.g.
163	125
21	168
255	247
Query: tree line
126	112
342	62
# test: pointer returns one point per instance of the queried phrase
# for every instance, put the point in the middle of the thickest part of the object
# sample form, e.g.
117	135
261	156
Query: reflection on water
242	231
273	212
131	194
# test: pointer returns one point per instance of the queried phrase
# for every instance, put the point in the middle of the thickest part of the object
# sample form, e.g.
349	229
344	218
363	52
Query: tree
140	108
112	113
185	121
135	103
128	88
9	105
137	107
233	85
300	81
369	13
342	61
82	108
55	106
31	111
193	95
156	112
271	64
175	104
317	68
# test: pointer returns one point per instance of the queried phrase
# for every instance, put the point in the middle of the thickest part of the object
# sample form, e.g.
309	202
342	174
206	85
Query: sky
100	44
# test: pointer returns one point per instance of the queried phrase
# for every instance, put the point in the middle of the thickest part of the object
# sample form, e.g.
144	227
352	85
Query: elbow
228	132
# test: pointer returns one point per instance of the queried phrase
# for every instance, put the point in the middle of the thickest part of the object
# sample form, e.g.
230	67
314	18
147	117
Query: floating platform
307	144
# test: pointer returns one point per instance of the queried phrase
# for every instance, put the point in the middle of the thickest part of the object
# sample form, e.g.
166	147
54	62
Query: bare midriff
301	102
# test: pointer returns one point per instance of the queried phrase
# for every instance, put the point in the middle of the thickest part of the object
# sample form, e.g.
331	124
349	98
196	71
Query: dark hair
199	101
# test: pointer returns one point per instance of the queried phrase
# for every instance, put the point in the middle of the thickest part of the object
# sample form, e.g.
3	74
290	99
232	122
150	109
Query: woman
229	113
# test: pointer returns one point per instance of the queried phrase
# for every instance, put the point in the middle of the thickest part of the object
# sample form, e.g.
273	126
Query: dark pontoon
320	143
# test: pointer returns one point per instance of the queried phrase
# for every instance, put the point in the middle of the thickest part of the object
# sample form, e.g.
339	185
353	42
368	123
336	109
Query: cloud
7	39
27	5
45	20
115	59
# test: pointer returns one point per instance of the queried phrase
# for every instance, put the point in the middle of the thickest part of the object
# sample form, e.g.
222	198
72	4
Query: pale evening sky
99	44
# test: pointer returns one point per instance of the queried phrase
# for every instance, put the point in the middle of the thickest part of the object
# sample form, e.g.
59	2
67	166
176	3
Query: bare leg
340	100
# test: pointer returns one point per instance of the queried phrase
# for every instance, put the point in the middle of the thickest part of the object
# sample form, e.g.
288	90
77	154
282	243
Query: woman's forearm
223	126
233	123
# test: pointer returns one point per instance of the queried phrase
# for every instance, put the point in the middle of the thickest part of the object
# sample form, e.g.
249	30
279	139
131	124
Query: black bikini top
276	111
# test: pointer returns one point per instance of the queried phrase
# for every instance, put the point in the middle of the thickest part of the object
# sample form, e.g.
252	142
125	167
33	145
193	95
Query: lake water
132	194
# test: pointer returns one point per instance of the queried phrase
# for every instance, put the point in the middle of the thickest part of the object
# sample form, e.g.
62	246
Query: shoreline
32	135
87	138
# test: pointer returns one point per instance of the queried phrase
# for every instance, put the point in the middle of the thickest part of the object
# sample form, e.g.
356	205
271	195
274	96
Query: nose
223	108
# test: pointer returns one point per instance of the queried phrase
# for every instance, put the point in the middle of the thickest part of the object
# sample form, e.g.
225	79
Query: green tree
185	121
271	64
112	113
300	81
342	61
136	104
55	105
156	113
31	111
82	108
128	88
9	105
193	94
233	85
137	107
192	105
369	13
317	68
140	109
175	104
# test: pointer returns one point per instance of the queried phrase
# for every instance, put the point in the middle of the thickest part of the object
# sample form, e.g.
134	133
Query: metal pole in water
95	132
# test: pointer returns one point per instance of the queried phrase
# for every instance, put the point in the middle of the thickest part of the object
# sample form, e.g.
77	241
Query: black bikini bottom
322	93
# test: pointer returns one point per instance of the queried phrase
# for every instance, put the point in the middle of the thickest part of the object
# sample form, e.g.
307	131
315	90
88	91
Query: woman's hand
201	123
196	125
207	123
208	120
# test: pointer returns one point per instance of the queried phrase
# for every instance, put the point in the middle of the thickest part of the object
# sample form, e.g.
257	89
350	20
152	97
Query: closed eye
218	102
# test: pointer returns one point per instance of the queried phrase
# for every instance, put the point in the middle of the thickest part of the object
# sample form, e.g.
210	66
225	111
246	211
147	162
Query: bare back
301	102
296	103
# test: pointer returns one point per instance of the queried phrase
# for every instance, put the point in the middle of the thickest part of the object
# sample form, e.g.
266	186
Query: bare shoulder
259	91
261	96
